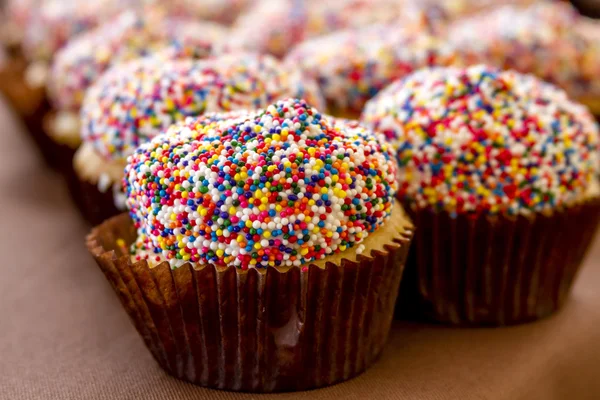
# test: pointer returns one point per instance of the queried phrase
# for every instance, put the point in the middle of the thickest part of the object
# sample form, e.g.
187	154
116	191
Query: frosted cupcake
275	26
278	229
550	40
351	66
499	172
128	36
133	102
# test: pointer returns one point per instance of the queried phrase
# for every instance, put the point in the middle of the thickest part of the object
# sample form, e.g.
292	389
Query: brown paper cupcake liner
495	271
258	331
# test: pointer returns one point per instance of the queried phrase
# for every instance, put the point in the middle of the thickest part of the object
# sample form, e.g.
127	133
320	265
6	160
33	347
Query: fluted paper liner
256	330
495	271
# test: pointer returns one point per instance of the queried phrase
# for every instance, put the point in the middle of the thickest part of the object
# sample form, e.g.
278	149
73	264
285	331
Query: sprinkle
232	163
136	101
480	140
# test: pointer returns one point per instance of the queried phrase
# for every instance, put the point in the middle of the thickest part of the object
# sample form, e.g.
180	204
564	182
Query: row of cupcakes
42	27
269	243
135	101
350	65
263	250
132	102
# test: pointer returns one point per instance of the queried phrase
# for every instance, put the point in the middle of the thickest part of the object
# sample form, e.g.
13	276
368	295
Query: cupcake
550	40
262	251
351	66
133	102
125	37
499	172
275	26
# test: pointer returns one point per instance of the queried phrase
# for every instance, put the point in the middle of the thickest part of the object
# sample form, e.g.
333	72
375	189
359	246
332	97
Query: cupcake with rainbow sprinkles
133	102
499	173
280	226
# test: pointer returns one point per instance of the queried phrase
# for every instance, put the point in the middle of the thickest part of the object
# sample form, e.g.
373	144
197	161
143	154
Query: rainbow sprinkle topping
480	140
128	36
352	66
282	186
134	102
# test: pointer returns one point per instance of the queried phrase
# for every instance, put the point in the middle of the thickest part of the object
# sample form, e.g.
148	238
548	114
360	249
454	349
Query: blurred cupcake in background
16	15
351	66
550	40
275	26
133	102
26	101
127	36
499	172
54	22
278	229
43	27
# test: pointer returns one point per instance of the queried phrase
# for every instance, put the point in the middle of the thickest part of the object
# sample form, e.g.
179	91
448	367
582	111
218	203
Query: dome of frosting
136	101
282	186
125	37
487	141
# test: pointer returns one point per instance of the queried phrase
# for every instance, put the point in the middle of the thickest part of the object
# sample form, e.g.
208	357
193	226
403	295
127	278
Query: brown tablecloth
63	334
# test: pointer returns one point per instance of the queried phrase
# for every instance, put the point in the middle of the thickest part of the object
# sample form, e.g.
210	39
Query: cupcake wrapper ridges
495	271
260	331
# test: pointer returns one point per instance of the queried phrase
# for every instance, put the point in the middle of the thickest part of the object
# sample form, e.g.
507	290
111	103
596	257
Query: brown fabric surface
64	335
